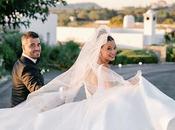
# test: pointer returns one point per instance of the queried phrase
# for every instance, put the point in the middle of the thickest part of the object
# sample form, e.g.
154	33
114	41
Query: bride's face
108	52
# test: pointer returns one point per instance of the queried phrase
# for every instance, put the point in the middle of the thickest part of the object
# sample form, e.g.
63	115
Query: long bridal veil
159	108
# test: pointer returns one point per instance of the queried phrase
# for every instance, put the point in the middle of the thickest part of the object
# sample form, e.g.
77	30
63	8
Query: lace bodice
89	89
91	82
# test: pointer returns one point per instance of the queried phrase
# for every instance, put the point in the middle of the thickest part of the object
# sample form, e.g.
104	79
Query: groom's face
32	47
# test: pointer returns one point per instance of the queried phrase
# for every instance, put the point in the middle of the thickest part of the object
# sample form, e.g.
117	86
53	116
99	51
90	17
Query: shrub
144	56
170	54
13	39
170	37
1	49
45	52
135	56
63	56
9	57
120	59
2	69
10	48
116	21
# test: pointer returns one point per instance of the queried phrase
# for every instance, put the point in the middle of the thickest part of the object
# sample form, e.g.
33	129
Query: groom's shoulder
23	61
18	65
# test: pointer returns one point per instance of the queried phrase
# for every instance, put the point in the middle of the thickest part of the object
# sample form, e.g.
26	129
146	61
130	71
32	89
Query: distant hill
88	5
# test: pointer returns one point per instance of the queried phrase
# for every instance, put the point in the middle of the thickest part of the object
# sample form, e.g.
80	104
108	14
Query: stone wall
159	50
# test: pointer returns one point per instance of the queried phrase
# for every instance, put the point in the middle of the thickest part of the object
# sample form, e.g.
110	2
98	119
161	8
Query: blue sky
119	3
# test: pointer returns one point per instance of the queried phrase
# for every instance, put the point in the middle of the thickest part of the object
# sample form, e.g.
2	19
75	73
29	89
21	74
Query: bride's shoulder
105	65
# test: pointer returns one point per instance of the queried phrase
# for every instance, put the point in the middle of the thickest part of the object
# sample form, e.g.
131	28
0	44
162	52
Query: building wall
46	30
77	34
81	35
129	41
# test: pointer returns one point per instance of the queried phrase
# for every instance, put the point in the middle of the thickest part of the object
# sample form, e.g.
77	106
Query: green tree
116	21
168	21
11	48
128	10
104	14
83	14
63	56
162	15
63	20
93	15
11	11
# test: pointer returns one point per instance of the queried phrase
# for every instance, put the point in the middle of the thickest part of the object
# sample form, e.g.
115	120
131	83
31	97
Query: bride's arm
135	79
110	78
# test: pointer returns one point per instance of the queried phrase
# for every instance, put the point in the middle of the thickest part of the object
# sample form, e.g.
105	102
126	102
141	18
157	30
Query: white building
46	30
128	21
149	27
127	37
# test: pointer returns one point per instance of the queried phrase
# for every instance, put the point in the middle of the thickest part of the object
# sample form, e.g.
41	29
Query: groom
26	76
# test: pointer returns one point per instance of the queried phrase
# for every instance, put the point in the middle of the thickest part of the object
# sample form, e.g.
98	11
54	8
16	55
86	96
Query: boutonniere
44	71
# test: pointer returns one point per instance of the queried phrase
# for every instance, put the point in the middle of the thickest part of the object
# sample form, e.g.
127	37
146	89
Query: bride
112	103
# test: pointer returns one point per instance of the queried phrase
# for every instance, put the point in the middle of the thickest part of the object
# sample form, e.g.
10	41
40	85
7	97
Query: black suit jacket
26	78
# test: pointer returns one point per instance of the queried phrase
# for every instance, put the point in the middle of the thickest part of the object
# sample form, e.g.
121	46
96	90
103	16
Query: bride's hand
135	79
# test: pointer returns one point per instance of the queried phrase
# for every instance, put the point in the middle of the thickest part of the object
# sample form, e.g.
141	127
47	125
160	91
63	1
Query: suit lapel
25	60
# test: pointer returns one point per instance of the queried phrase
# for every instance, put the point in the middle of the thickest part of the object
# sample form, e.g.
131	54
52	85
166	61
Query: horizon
112	4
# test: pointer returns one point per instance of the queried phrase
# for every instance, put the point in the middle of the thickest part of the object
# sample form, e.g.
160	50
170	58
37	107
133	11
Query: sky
115	4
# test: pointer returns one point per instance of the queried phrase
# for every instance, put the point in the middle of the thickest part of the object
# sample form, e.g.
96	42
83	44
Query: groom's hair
28	35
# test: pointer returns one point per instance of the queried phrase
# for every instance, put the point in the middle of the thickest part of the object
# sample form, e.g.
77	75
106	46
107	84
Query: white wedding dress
140	107
112	103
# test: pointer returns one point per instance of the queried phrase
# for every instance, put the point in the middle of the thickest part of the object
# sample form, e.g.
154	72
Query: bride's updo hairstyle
110	38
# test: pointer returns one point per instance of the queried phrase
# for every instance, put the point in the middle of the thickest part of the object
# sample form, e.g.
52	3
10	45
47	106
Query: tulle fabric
116	108
112	102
